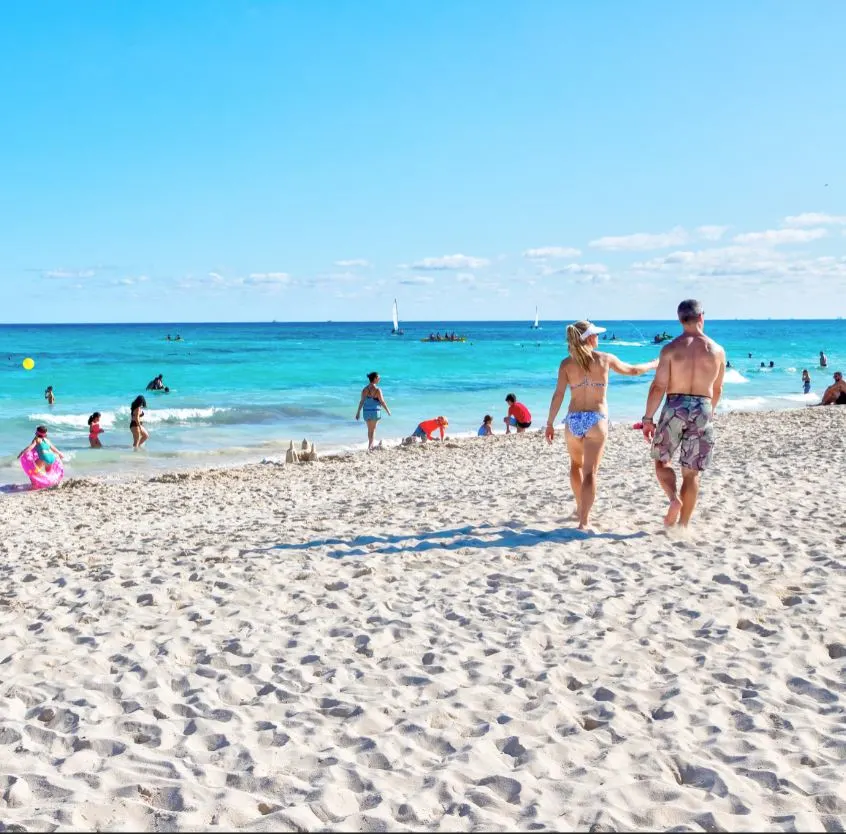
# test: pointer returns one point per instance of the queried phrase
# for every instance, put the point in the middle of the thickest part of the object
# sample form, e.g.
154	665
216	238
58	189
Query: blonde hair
581	352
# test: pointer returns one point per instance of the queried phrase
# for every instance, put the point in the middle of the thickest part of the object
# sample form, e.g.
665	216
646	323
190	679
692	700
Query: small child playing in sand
486	429
427	428
95	430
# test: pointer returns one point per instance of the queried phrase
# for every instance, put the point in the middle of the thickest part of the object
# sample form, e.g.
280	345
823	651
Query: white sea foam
777	403
74	421
734	376
180	415
108	418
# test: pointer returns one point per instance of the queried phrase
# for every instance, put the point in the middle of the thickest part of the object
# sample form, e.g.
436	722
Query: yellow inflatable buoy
28	364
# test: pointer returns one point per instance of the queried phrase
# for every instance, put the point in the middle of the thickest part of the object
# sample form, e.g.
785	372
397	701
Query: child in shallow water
486	429
95	430
806	381
46	451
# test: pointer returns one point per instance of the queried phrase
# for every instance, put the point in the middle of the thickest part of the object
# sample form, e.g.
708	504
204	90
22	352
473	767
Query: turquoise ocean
241	392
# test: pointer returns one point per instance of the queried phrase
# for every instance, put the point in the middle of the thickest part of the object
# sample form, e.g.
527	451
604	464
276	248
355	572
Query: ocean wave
72	421
774	403
212	415
734	376
109	418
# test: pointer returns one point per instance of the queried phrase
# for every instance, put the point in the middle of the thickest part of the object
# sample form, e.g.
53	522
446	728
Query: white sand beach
418	639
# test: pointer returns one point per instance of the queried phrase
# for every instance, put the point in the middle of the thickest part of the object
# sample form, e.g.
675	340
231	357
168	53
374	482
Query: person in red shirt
518	415
427	428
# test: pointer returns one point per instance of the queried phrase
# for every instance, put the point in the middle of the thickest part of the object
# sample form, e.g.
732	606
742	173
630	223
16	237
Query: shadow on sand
460	537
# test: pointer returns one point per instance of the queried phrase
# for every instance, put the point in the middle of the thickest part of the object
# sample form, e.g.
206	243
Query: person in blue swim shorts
371	404
585	372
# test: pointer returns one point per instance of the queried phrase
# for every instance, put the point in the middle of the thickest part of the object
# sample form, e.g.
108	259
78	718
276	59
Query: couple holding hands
689	370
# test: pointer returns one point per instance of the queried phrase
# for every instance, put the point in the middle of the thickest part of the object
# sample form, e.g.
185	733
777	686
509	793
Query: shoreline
123	475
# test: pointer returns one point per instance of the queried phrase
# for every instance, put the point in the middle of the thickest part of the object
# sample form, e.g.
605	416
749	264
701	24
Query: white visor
592	330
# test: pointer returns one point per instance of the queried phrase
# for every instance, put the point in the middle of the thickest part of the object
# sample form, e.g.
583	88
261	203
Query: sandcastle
306	452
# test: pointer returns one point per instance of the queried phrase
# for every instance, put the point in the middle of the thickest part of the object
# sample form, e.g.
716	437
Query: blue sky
313	160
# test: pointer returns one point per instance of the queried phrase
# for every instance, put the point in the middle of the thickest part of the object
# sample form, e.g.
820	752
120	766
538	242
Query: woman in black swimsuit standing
139	433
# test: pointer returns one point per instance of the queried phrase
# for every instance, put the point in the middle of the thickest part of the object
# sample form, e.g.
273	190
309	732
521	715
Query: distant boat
536	326
445	338
396	331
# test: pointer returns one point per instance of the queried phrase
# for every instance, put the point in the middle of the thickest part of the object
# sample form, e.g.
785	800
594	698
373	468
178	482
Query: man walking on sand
690	372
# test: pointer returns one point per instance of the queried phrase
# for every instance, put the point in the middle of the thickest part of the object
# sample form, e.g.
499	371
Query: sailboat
536	326
396	331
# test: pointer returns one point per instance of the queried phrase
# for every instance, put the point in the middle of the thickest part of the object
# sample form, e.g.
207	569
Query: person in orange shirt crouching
427	428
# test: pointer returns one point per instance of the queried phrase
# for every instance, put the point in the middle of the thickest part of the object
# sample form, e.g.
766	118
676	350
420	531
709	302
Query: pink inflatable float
40	475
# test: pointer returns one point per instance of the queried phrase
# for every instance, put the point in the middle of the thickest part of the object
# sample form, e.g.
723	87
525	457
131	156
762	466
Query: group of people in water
46	451
447	337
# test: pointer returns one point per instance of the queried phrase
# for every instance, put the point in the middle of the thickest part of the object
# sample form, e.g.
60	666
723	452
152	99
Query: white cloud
268	278
68	273
545	252
813	218
576	269
642	241
418	280
711	232
130	280
465	278
753	265
353	262
451	262
775	237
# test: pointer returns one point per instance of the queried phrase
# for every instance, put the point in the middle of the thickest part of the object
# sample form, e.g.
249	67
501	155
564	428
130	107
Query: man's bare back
693	364
690	373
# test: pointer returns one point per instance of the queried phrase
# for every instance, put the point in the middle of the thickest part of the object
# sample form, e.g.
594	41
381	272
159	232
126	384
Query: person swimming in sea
156	384
49	395
371	403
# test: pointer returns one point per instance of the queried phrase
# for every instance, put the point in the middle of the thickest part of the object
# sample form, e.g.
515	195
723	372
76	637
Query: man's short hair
689	310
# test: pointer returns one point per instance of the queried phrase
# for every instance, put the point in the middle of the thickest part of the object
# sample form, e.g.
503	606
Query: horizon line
383	321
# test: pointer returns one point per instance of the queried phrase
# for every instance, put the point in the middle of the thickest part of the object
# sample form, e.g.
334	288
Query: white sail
536	326
396	317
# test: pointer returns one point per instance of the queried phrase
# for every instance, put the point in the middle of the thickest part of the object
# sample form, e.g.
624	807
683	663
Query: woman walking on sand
585	372
371	403
136	413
